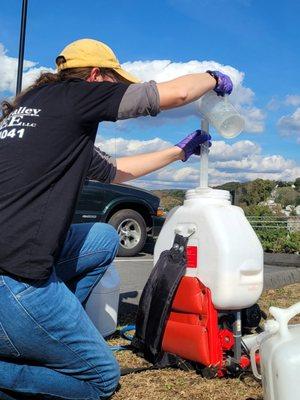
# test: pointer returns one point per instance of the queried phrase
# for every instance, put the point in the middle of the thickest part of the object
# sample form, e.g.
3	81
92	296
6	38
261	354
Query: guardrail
290	224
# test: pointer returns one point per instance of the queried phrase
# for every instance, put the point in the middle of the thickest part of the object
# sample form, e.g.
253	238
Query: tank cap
209	193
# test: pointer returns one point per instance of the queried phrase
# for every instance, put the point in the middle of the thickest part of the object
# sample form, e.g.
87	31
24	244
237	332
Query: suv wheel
132	230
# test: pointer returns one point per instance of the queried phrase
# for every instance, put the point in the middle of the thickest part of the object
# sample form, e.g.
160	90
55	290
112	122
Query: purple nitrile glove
191	144
224	83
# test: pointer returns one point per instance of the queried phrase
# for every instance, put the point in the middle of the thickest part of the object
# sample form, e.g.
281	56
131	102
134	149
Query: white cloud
241	161
274	104
183	174
159	70
125	147
254	119
222	151
289	125
8	71
162	70
218	177
292	100
289	100
268	164
189	177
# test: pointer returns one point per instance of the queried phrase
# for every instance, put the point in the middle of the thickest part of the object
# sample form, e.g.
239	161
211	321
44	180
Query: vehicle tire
132	230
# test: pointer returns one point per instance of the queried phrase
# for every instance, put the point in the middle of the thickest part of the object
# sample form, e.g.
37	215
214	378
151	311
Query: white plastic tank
229	254
103	303
279	356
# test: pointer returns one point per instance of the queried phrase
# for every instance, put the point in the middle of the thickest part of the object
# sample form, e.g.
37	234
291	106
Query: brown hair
48	78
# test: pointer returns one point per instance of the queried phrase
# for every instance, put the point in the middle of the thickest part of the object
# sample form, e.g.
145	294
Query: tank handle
253	351
283	315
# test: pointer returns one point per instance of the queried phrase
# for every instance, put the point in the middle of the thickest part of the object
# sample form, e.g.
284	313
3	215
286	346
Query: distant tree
284	184
229	186
281	184
169	202
245	194
286	196
257	211
179	194
170	198
255	192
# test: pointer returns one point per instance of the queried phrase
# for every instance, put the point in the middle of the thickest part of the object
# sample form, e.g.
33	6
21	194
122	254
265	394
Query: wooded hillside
247	194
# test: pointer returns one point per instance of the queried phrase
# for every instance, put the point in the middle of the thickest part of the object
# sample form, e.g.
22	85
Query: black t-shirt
46	148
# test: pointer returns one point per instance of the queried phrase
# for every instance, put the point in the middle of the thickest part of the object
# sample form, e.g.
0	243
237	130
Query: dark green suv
134	212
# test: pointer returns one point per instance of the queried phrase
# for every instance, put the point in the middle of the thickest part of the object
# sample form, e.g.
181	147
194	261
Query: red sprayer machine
214	310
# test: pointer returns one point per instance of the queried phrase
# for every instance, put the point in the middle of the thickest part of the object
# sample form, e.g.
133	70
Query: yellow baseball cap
92	53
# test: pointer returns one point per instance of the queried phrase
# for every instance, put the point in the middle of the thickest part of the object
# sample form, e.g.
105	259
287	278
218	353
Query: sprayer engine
211	338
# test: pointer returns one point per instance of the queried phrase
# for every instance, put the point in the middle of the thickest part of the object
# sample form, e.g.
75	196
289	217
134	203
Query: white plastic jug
220	113
103	303
280	356
229	254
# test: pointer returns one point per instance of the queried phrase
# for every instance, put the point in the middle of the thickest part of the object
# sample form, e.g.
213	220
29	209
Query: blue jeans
48	345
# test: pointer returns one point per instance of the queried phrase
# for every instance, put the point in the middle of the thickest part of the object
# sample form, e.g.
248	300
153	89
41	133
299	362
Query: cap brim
126	75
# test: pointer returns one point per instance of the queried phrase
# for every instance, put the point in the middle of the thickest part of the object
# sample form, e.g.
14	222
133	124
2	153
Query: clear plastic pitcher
221	114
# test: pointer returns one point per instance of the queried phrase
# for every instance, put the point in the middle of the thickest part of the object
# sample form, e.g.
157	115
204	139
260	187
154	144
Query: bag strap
157	297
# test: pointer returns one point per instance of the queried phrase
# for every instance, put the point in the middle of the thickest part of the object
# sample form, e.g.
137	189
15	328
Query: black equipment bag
155	304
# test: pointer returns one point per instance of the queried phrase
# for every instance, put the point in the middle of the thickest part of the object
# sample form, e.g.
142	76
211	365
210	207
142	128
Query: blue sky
257	38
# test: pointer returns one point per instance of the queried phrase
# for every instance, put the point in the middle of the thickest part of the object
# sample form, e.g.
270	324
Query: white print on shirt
8	127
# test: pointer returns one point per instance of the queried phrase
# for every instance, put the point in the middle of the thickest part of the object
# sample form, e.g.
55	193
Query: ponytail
49	78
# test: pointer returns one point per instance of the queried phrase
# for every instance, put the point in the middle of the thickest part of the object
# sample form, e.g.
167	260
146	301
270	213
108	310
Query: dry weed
171	384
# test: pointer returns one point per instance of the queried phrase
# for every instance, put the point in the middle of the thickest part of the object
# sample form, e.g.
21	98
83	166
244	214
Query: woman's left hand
191	144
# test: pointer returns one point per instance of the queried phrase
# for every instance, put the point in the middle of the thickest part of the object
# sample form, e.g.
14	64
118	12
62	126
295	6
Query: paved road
134	272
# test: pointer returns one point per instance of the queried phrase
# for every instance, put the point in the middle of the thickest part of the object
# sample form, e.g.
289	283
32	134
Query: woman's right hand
224	84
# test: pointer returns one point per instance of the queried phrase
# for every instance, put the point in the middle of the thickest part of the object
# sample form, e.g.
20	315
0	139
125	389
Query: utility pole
21	47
